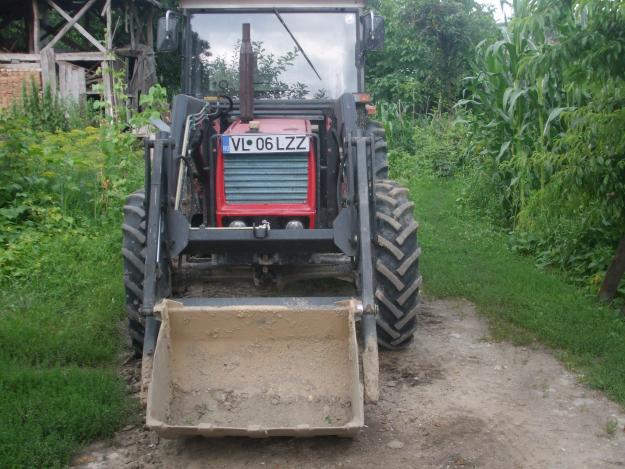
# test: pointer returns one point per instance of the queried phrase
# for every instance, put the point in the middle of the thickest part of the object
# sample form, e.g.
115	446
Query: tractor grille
266	178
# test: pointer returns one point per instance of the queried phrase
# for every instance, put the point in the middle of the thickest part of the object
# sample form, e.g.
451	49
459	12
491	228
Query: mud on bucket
256	370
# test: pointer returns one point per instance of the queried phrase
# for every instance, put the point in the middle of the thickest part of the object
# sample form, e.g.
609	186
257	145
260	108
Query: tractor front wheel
396	265
133	253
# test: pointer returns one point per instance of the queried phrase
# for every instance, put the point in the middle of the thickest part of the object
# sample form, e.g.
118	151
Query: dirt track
453	399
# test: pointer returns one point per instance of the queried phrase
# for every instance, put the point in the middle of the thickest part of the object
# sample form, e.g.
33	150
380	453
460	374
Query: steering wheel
223	112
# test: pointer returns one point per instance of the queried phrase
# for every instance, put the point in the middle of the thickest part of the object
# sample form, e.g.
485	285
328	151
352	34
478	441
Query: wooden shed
72	45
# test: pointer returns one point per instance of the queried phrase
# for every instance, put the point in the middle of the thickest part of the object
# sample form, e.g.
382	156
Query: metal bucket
257	368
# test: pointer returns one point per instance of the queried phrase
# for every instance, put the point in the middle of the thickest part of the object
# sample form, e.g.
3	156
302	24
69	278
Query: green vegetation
531	163
429	47
465	257
546	144
62	300
538	142
44	111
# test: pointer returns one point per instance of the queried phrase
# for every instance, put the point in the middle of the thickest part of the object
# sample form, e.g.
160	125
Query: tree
429	48
221	74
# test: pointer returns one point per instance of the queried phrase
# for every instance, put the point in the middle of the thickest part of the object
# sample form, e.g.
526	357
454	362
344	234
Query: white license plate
265	143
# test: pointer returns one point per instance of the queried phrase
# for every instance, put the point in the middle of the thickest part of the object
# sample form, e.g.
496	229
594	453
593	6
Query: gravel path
453	399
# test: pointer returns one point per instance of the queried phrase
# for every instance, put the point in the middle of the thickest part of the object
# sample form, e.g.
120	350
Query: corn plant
546	106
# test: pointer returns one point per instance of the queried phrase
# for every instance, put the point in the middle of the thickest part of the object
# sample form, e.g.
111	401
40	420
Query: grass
59	349
464	257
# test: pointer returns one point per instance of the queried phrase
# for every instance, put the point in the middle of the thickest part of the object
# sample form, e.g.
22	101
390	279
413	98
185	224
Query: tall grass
432	144
45	111
61	286
546	111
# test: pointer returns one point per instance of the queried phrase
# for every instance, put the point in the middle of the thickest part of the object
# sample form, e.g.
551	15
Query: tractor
271	168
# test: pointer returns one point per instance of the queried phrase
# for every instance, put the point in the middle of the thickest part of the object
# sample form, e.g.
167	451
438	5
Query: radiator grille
266	178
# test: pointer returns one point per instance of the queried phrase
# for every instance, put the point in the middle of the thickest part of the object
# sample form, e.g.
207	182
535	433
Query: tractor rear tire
396	265
133	254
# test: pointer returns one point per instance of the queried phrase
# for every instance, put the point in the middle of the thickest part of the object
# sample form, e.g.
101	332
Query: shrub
546	147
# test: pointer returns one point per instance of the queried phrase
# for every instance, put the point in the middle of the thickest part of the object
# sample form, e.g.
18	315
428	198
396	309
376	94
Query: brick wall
11	80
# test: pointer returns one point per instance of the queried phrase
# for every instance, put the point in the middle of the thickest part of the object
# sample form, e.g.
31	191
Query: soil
267	366
453	399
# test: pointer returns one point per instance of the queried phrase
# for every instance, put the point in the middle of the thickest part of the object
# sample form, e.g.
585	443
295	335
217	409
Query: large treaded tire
133	254
396	265
380	159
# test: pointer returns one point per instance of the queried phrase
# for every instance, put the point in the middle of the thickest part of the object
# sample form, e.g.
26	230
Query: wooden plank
63	79
34	66
81	85
71	22
82	56
48	69
9	57
109	84
109	26
72	82
107	79
150	29
133	39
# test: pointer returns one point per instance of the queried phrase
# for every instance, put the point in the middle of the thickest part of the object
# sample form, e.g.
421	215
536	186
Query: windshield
328	41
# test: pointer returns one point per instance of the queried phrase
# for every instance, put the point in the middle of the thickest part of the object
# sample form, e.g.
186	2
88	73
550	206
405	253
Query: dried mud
452	399
267	367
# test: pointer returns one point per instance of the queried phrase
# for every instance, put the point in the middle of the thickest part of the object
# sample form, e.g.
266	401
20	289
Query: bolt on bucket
278	368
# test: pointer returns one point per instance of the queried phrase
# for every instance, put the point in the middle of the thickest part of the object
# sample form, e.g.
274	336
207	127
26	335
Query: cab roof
276	3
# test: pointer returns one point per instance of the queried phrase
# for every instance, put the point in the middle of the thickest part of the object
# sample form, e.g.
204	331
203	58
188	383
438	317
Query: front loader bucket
257	368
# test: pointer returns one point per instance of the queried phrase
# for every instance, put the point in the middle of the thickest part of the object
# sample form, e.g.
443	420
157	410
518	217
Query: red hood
272	126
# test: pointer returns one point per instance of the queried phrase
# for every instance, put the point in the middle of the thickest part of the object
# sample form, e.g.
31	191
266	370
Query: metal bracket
261	231
153	238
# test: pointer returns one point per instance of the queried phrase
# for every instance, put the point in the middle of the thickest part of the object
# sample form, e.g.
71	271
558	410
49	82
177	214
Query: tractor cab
305	50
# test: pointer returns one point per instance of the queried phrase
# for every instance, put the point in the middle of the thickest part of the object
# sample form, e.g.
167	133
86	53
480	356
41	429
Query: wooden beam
81	56
66	39
21	66
107	66
72	83
9	57
109	26
73	22
131	18
150	29
36	31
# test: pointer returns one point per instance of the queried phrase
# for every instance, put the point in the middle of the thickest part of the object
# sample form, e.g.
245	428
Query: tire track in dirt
452	399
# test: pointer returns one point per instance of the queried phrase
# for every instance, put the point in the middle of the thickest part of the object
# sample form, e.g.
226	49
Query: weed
61	291
611	426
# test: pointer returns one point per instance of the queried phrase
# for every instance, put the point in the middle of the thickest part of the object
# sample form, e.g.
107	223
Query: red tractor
271	165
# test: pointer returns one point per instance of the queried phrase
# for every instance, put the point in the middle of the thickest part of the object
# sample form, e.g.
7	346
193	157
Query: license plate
265	143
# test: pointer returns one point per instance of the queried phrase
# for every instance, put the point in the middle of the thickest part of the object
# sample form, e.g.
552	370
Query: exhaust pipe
247	64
